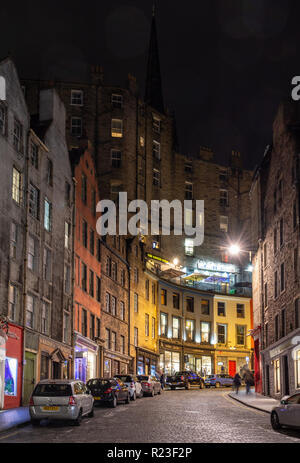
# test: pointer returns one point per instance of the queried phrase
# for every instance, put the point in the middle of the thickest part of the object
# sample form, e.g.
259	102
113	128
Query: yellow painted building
232	324
143	315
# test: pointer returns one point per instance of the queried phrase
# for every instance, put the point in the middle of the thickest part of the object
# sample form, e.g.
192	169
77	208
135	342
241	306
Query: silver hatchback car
60	400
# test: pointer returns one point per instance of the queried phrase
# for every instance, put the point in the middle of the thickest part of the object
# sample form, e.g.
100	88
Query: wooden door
232	367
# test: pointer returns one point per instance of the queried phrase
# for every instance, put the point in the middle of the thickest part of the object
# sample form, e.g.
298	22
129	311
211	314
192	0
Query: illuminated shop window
298	368
189	247
10	378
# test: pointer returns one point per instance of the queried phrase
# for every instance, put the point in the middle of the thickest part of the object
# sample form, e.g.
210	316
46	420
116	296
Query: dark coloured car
110	391
185	379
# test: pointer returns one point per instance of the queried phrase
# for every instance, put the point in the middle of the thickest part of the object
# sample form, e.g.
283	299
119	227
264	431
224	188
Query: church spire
153	90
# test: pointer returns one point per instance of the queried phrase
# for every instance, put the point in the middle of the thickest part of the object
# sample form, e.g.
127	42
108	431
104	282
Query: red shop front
13	370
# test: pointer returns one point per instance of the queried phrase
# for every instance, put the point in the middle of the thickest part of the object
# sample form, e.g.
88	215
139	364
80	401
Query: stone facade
275	194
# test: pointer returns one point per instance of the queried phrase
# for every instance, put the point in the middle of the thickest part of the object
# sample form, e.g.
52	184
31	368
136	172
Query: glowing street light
234	249
175	261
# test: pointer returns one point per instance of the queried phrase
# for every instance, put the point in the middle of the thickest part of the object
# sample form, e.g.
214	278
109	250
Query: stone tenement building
136	151
36	267
276	285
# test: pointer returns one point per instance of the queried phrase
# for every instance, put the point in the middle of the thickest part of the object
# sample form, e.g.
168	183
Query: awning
171	273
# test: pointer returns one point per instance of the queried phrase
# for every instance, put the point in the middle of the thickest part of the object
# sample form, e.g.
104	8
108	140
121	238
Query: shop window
10	376
163	324
205	307
205	332
277	376
298	369
44	373
189	304
221	309
190	330
107	368
240	311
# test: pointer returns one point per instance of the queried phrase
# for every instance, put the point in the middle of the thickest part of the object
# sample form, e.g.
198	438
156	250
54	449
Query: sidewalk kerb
247	404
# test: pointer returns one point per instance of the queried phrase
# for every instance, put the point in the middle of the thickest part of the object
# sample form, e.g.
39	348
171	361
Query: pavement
13	417
254	400
180	416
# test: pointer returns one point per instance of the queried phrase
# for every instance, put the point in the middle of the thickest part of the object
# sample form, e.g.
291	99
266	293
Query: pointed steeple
153	90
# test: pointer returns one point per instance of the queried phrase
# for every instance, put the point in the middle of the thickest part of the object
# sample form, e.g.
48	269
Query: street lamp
234	249
175	261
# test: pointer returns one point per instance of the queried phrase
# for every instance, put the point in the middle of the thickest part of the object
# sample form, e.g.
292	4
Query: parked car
133	384
218	381
60	400
109	390
287	413
185	379
150	385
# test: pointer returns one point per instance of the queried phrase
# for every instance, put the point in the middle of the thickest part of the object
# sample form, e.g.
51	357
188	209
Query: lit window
224	223
221	333
117	100
11	377
176	328
76	97
76	126
142	141
47	215
163	324
156	124
190	330
189	247
205	331
117	128
163	297
17	186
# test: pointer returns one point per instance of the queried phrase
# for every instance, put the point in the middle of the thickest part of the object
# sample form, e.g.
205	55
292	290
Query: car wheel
275	421
133	397
173	388
159	392
35	422
127	401
114	402
91	414
78	420
201	385
218	385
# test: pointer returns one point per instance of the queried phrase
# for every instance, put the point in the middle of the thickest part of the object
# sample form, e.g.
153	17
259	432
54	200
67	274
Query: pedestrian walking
237	382
162	381
249	380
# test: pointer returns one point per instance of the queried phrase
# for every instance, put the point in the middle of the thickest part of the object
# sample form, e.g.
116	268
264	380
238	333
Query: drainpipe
25	246
73	278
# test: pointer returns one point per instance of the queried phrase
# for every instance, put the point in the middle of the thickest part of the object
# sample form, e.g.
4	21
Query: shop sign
279	349
216	266
160	259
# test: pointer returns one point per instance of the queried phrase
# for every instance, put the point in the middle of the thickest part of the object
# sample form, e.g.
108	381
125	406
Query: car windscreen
53	390
125	378
211	376
102	383
143	378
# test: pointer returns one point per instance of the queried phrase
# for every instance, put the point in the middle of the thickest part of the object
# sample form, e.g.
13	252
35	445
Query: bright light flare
234	249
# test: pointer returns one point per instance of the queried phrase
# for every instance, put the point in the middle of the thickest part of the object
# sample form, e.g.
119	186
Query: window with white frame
34	155
156	149
163	324
176	328
188	191
190	330
45	317
189	247
117	128
17	186
13	240
156	124
117	100
221	333
240	335
47	265
30	310
156	177
223	198
116	158
224	223
76	97
76	126
2	119
12	302
47	215
34	201
205	332
67	234
32	258
17	135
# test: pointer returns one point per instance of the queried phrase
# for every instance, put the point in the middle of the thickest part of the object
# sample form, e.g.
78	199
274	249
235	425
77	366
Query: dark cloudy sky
226	64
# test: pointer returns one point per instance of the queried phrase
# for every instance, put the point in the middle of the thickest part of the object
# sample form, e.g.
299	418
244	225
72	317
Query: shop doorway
29	376
232	367
286	375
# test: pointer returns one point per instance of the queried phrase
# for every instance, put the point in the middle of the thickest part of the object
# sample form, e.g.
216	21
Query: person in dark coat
249	380
162	381
237	382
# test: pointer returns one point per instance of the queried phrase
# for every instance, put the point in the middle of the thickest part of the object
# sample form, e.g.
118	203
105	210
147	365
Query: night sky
225	64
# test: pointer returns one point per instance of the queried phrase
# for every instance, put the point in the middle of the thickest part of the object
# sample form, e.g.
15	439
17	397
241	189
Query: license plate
51	409
97	398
